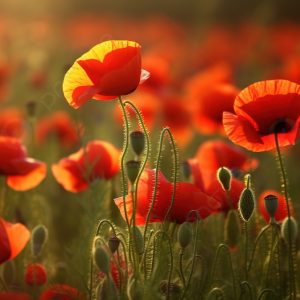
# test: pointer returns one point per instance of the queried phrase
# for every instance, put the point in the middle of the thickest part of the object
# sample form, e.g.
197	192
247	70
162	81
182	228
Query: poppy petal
5	250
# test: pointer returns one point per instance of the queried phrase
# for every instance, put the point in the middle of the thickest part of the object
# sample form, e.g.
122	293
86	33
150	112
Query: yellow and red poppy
262	110
98	159
108	70
13	239
22	173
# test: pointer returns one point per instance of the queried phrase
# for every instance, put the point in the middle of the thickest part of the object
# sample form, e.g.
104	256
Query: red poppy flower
262	109
212	155
98	159
188	197
14	296
60	125
11	122
61	292
13	239
281	212
35	274
226	203
5	72
110	69
22	173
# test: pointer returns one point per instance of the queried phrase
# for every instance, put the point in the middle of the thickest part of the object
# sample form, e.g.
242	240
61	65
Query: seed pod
106	289
113	243
285	229
35	275
232	229
137	141
133	168
246	204
39	238
224	176
185	234
138	240
101	259
271	204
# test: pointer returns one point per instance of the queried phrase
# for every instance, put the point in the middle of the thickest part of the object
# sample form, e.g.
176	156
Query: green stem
246	250
286	195
181	266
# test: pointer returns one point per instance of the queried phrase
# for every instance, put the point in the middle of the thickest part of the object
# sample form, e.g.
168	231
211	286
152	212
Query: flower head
262	110
98	159
13	239
108	70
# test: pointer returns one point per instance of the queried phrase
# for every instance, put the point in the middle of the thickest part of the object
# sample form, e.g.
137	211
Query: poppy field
148	158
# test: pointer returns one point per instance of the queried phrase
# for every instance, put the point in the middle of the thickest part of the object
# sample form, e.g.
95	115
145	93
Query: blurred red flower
13	239
262	109
213	154
61	125
5	72
22	173
98	159
35	274
11	122
61	292
110	69
14	296
188	197
281	212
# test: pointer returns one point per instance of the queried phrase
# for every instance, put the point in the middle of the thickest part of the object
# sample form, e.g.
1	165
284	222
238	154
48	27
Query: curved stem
286	195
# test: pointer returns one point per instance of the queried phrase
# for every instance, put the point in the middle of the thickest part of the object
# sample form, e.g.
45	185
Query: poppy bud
185	234
137	140
285	229
133	168
39	237
271	205
186	170
172	288
113	243
246	204
232	229
138	240
35	275
106	290
101	259
224	176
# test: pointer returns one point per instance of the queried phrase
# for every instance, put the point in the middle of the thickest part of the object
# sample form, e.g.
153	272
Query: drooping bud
246	204
106	289
39	238
138	240
113	243
224	176
271	204
35	275
137	141
101	259
292	226
133	168
185	234
232	229
171	289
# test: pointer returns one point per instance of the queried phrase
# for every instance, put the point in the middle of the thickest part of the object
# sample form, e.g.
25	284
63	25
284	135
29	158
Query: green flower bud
133	168
224	176
246	204
113	243
185	234
138	240
293	228
232	229
39	238
101	259
271	204
137	141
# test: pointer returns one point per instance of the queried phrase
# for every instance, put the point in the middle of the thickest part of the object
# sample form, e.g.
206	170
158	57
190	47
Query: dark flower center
282	126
